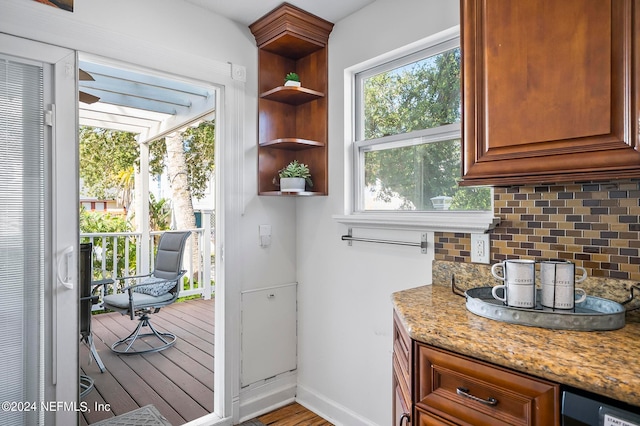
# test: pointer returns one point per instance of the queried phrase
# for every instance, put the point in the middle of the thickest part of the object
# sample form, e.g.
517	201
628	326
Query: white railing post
142	204
114	256
206	252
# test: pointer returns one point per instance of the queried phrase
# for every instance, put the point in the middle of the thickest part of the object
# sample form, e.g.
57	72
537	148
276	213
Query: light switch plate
480	248
264	232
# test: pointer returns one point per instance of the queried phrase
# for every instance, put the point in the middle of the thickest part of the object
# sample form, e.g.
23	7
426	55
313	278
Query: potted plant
292	79
294	176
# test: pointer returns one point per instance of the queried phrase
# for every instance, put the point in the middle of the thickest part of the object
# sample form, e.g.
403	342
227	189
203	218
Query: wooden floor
292	415
177	381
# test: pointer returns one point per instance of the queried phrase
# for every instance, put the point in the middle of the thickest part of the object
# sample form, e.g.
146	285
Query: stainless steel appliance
586	409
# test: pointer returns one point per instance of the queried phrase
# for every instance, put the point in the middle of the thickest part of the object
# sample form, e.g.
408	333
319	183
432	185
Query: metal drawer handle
465	392
404	417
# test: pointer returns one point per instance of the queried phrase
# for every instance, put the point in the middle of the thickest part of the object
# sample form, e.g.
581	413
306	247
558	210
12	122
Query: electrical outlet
480	248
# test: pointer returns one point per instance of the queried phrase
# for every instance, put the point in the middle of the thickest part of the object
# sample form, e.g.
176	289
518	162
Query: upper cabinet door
551	90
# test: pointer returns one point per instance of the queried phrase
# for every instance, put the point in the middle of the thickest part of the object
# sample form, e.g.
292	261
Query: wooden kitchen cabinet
425	418
438	387
465	391
551	90
402	373
292	121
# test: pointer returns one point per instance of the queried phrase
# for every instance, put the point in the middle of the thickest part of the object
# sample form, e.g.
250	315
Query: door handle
67	280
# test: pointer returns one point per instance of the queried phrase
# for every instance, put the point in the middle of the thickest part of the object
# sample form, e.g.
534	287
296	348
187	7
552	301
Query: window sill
441	221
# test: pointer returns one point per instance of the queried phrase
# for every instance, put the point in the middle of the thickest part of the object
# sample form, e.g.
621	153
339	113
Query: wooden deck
177	381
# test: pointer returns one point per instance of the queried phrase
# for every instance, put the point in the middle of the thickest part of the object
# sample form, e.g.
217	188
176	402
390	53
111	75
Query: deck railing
118	254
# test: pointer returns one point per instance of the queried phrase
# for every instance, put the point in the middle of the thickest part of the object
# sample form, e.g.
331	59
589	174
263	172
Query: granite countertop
604	362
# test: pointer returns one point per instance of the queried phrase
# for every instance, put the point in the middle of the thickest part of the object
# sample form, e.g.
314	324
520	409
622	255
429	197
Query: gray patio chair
148	294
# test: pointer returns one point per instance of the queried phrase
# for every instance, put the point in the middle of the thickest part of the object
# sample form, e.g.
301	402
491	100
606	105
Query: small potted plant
294	176
292	79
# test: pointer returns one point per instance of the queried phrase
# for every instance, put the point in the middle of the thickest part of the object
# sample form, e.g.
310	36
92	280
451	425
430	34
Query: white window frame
444	221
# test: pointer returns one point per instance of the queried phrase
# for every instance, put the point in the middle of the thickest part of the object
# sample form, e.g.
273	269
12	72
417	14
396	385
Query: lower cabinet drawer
424	418
469	392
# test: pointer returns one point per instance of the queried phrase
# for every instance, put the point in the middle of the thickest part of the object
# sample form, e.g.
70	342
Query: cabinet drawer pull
465	392
404	417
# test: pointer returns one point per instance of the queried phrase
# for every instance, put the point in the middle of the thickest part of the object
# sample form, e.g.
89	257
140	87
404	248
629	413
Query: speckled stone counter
606	363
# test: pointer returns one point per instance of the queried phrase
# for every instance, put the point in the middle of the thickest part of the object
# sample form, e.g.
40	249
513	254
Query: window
407	146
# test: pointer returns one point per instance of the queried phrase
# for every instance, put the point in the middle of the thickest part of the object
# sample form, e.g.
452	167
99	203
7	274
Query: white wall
344	319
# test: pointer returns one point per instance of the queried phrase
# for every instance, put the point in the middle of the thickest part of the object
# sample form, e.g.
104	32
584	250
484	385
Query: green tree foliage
104	154
422	95
199	148
159	214
99	222
108	158
419	96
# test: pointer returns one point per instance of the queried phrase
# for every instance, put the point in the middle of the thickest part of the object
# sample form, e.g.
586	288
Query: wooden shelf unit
292	121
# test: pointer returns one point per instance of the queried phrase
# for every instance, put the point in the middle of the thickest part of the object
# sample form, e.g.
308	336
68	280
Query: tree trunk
180	192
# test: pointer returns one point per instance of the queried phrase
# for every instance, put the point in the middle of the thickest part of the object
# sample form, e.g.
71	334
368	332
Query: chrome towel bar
422	244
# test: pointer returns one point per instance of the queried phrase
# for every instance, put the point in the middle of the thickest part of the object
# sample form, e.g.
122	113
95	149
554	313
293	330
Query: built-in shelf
294	144
292	95
290	44
292	121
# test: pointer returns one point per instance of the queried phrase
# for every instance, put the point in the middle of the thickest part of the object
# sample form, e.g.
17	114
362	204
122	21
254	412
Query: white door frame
61	230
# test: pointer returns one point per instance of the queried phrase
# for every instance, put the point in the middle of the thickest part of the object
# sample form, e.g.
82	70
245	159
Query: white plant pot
292	184
292	83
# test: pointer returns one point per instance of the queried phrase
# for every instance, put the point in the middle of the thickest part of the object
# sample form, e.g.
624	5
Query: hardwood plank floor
292	415
177	381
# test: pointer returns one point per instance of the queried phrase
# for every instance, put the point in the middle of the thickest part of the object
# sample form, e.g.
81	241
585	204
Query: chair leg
86	385
94	352
88	340
167	339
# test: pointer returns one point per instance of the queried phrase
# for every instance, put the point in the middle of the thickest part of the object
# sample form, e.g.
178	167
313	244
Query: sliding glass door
38	234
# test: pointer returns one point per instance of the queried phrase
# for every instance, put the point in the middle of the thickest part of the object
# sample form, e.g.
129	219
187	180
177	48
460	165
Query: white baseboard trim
261	398
330	410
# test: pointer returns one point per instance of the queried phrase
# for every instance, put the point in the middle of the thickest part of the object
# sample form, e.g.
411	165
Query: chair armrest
105	282
132	276
94	299
100	283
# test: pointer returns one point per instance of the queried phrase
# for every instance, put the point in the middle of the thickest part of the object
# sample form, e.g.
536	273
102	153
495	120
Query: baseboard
328	409
261	398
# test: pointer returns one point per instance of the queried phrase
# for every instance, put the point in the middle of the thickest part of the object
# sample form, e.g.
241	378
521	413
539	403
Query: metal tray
594	314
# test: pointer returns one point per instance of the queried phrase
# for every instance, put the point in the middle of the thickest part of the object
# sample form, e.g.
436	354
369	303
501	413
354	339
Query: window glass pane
419	177
408	131
421	95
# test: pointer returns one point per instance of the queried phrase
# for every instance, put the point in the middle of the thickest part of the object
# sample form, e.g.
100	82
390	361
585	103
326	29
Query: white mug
519	276
561	297
557	279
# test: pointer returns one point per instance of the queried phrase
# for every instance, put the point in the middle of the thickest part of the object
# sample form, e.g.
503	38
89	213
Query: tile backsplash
593	224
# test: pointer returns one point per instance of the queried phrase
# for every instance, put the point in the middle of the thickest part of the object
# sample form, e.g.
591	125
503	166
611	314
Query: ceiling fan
84	96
